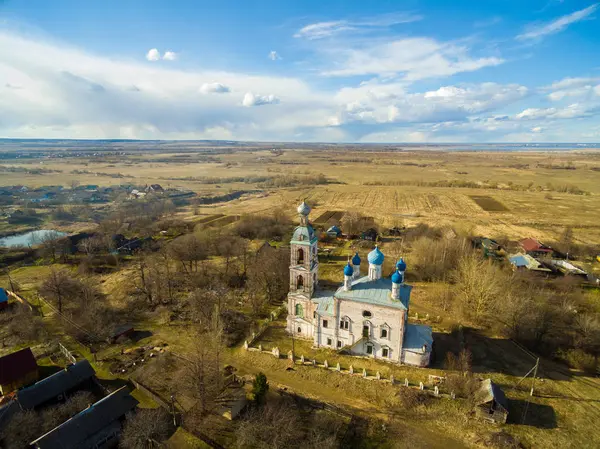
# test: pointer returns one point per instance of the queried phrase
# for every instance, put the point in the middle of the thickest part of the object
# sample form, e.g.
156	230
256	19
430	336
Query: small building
491	403
3	299
526	262
155	188
397	230
535	248
567	268
17	370
57	386
370	234
99	425
122	331
334	232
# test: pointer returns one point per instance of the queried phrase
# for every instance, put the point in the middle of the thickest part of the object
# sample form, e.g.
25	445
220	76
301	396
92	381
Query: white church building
367	315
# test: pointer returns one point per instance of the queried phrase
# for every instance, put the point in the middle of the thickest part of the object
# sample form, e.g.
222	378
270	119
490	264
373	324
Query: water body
31	238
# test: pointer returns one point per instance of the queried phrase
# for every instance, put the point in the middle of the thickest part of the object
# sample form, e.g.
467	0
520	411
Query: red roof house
530	245
16	370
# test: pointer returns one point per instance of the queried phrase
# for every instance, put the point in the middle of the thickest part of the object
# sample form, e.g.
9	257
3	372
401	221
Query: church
367	315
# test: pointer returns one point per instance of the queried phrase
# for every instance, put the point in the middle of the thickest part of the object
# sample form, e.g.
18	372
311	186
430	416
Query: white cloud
320	30
575	110
251	99
170	56
539	31
153	55
413	58
274	56
381	103
537	129
573	87
214	88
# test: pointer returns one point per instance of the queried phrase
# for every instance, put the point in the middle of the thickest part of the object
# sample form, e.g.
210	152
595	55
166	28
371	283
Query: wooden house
491	403
17	370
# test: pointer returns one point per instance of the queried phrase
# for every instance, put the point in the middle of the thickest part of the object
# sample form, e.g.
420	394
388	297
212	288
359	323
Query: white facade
366	316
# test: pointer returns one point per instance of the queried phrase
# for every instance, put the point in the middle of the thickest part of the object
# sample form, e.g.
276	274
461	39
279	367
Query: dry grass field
515	194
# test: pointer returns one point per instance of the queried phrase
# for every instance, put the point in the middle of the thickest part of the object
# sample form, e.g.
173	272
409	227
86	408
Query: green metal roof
304	235
324	300
376	292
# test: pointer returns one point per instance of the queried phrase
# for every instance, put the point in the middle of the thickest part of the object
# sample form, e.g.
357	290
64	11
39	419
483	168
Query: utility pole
12	287
537	363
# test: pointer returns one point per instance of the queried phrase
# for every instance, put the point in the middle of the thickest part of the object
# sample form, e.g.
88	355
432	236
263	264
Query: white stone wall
392	319
305	323
416	359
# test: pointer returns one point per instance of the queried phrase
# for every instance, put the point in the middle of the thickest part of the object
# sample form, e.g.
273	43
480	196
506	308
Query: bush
409	398
579	359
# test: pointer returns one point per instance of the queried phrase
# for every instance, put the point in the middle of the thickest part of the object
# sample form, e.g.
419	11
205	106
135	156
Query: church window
299	310
325	323
329	342
367	314
369	349
366	330
339	344
345	323
384	332
385	352
299	330
300	259
300	282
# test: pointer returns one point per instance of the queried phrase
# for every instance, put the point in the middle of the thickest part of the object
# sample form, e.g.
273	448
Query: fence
434	389
275	314
68	355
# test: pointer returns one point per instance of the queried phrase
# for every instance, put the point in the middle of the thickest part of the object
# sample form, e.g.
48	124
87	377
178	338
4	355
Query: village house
17	370
535	248
97	426
367	315
334	232
3	299
57	387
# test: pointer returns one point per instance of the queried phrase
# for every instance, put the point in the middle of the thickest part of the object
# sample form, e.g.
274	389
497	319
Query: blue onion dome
401	265
376	257
304	209
348	270
397	278
356	259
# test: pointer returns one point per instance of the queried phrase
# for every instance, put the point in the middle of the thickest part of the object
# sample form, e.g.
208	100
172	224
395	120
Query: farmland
499	193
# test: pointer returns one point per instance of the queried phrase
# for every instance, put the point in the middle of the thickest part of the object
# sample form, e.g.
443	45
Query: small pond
30	238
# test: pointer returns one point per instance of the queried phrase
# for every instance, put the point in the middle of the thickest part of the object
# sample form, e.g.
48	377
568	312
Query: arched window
299	330
299	310
366	329
345	323
300	259
367	314
300	282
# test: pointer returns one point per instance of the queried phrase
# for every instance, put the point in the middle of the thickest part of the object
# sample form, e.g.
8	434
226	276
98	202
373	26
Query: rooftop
376	292
489	391
415	336
16	366
80	431
56	384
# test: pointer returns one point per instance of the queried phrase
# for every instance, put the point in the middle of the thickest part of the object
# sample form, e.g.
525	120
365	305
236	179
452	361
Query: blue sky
385	71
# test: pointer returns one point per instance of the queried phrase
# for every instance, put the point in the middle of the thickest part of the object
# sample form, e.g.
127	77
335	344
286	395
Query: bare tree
479	284
145	428
59	286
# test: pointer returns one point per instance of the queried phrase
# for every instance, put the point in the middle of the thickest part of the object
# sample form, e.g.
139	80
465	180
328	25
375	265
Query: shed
334	231
370	234
491	403
16	370
98	425
124	330
56	386
525	261
3	299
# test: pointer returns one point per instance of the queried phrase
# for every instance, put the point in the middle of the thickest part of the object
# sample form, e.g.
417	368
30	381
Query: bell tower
304	263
